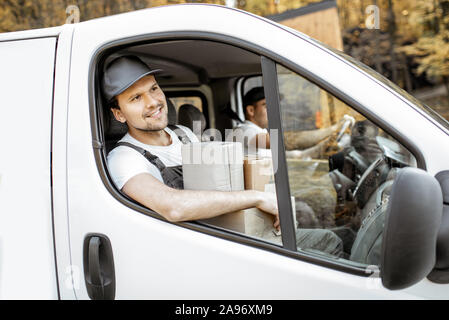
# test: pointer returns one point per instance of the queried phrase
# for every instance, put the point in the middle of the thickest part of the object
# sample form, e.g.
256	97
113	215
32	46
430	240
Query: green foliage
431	50
432	54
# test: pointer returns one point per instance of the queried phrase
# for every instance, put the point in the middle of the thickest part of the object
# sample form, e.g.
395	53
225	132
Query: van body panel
27	262
30	34
68	275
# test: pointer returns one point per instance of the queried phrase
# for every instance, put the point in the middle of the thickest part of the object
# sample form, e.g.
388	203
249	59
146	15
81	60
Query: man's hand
341	126
277	223
268	203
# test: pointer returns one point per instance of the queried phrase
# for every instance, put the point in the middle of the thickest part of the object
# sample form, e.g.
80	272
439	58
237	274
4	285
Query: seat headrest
172	116
187	116
114	129
231	114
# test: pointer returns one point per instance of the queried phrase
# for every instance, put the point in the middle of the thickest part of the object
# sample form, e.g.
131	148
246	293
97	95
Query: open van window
196	87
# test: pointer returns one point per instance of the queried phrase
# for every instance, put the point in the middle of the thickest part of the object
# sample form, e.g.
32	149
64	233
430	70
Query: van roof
30	34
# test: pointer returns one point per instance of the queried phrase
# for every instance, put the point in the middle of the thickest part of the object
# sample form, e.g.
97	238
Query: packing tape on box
213	165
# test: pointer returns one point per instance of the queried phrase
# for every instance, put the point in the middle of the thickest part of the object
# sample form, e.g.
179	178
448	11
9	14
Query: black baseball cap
121	73
253	95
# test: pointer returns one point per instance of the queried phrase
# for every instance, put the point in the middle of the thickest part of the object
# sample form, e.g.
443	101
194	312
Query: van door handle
99	274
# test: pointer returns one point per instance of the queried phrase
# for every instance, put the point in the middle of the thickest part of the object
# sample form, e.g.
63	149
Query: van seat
192	118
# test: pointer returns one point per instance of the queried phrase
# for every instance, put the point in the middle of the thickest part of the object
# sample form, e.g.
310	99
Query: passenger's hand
268	203
341	126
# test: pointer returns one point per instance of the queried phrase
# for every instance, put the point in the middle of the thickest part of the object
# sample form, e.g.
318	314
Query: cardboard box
257	173
221	166
251	222
213	166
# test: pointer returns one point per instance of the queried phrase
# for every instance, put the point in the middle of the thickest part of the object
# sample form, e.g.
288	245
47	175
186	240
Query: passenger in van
146	163
255	138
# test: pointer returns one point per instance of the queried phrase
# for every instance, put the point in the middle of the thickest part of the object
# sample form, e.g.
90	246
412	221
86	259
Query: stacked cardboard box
257	173
221	166
213	166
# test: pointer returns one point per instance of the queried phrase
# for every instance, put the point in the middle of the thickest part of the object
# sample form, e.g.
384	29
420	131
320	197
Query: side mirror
412	222
440	274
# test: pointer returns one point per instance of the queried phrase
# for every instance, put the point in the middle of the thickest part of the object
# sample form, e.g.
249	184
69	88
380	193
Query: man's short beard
151	129
164	108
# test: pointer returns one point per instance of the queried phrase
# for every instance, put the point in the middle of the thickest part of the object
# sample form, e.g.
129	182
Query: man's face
143	106
258	113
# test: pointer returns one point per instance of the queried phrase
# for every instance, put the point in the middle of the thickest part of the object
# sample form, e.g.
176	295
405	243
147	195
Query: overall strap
150	157
172	176
182	136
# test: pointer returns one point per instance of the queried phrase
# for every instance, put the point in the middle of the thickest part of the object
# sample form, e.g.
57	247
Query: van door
27	261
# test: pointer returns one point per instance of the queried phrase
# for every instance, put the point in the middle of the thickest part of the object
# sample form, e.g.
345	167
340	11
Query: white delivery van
66	232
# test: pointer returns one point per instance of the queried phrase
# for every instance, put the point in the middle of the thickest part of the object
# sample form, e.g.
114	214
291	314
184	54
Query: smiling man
146	164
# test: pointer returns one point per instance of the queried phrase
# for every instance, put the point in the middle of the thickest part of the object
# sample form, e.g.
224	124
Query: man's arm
183	205
306	139
315	152
296	139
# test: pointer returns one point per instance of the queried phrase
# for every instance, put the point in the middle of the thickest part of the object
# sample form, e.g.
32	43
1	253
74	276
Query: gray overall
172	176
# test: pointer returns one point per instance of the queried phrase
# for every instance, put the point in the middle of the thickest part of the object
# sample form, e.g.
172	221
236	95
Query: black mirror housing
440	274
412	222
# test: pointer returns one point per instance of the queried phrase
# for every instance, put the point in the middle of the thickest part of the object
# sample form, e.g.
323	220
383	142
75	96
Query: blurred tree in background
30	14
431	49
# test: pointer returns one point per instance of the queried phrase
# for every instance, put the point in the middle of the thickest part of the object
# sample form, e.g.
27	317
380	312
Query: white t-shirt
125	162
250	130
